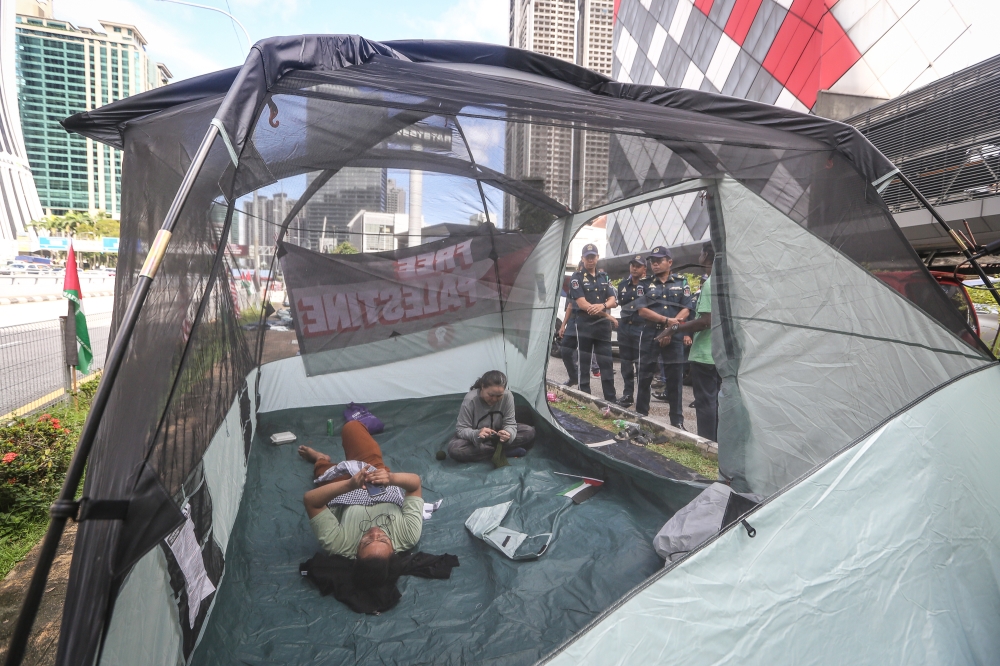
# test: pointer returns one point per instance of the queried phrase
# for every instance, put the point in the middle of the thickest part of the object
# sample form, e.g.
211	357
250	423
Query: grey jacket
472	417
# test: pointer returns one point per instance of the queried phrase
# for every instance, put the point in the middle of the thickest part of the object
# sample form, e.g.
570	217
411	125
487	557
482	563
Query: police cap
659	252
590	249
637	260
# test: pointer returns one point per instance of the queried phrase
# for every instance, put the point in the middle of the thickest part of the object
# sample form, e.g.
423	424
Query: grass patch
34	456
681	452
688	456
13	548
585	413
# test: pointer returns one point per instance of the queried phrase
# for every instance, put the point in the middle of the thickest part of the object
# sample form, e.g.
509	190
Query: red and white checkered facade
781	52
784	52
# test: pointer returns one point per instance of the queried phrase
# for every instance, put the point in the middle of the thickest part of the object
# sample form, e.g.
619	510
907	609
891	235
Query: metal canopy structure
945	137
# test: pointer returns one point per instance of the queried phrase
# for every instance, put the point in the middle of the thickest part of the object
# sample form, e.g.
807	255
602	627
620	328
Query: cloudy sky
194	41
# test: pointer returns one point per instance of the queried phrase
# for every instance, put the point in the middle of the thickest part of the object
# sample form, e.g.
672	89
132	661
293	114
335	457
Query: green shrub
34	456
87	389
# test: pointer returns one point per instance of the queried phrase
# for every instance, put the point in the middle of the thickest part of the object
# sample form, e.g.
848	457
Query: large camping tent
840	400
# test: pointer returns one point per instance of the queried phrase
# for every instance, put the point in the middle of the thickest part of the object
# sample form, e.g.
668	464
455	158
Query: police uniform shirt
667	298
595	288
628	292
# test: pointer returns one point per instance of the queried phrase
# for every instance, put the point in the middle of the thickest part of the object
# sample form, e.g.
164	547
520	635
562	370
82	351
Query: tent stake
65	507
954	236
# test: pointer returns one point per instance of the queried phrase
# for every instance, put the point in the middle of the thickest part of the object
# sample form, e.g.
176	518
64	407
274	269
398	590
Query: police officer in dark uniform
595	296
667	303
630	325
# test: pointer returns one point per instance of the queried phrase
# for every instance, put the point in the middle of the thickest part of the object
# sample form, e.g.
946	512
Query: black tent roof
245	89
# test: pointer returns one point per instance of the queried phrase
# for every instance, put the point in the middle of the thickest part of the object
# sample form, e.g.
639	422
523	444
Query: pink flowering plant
34	456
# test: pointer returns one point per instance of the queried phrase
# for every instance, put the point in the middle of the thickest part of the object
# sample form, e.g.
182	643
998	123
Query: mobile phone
373	490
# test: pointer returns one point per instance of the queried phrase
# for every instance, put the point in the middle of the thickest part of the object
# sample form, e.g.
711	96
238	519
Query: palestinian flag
584	490
71	290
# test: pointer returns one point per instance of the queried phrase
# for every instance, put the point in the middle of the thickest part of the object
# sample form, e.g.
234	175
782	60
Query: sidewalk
657	408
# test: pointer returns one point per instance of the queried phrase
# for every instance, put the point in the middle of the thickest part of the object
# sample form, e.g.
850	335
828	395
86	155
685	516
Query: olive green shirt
340	530
701	347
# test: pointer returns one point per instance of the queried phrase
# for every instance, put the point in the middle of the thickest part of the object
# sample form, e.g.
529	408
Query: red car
904	283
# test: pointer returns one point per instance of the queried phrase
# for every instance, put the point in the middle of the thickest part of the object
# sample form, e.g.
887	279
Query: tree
79	223
345	248
107	226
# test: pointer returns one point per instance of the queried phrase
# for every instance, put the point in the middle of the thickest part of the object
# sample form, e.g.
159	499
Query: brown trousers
358	445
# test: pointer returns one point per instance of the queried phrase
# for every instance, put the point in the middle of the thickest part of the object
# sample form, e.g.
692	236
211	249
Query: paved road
31	351
987	327
29	313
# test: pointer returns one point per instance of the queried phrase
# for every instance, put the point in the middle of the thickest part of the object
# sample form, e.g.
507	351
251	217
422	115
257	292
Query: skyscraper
258	227
569	166
595	39
336	203
62	70
18	198
395	198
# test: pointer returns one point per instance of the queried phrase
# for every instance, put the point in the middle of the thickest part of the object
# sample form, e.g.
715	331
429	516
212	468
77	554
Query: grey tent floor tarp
492	610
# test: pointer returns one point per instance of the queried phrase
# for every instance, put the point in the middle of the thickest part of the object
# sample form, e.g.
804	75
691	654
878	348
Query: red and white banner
339	301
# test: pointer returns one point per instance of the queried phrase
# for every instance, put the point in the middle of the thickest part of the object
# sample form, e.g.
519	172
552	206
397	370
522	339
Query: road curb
706	447
15	300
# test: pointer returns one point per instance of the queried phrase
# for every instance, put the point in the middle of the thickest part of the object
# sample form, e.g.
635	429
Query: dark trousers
706	382
595	339
650	356
463	450
568	351
628	354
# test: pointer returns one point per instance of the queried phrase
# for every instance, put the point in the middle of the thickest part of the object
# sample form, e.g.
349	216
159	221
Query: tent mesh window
827	324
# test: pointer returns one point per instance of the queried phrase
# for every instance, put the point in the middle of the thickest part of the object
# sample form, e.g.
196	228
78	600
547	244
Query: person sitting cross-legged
486	421
359	526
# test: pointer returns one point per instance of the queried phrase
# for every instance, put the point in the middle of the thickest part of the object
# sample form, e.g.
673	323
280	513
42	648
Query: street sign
61	244
427	137
53	243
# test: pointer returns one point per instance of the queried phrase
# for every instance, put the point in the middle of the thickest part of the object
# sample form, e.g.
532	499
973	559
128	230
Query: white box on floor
279	438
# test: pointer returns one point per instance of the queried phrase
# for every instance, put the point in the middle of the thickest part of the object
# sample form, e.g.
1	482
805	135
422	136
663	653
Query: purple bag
356	412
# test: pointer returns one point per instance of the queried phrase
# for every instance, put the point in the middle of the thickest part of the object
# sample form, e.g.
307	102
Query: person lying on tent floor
363	523
486	421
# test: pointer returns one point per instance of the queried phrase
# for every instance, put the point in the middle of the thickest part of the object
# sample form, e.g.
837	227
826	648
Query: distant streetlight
216	9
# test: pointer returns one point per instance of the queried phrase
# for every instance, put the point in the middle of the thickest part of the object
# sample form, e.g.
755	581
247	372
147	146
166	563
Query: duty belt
635	305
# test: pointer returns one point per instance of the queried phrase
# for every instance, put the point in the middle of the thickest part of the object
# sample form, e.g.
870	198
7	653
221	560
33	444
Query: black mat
625	451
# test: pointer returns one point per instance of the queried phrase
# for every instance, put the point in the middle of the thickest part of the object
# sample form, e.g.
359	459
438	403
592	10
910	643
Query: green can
329	427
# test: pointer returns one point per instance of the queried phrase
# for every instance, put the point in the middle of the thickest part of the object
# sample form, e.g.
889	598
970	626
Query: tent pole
954	236
66	507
